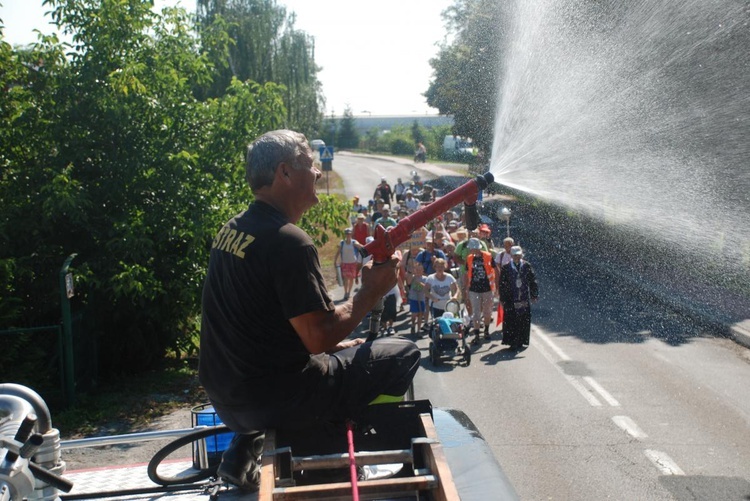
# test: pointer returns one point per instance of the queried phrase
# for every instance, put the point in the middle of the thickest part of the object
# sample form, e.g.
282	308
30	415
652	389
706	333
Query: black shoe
240	463
477	340
487	334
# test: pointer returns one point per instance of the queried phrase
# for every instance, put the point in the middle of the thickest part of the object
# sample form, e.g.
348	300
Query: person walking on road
348	257
410	202
416	282
518	289
501	259
360	230
441	288
399	190
428	255
383	191
480	284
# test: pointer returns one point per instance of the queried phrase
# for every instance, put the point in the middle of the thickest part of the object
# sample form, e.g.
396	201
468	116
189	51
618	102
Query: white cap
516	250
475	244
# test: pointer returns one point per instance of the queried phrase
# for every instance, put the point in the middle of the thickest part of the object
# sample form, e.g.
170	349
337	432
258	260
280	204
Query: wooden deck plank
446	488
267	472
367	489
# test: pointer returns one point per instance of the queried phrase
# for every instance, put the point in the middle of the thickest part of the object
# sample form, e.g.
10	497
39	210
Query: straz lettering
231	240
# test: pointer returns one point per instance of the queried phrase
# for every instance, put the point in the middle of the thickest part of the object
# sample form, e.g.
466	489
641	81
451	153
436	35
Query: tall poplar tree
266	47
348	136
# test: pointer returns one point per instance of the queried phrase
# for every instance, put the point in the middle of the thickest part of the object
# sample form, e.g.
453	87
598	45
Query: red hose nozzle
385	241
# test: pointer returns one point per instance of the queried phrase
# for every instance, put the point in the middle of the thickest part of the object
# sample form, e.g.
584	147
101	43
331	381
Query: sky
374	55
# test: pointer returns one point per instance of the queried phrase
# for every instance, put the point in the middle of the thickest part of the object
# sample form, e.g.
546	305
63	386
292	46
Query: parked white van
457	145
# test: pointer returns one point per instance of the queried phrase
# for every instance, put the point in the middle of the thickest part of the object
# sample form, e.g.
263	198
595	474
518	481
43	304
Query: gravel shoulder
126	454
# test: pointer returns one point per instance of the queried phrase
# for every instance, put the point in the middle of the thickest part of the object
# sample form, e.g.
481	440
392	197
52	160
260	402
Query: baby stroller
448	336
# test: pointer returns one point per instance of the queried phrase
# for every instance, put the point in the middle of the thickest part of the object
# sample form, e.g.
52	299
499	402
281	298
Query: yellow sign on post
417	239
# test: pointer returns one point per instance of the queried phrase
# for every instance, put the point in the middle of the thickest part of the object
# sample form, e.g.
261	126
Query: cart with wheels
448	336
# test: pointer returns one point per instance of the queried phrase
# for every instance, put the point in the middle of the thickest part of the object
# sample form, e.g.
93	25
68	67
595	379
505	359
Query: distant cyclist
420	155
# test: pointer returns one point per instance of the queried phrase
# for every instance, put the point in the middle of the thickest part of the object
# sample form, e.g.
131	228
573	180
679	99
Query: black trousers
356	376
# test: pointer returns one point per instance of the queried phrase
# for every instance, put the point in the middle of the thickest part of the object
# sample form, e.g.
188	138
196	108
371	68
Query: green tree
27	104
371	139
397	141
265	47
466	71
348	137
109	154
330	129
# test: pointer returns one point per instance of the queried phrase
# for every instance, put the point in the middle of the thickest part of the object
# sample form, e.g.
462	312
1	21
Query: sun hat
460	234
474	244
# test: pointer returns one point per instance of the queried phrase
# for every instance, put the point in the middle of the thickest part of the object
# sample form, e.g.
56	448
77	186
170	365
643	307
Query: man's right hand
380	278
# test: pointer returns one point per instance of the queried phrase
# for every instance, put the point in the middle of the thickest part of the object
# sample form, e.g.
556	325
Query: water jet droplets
636	112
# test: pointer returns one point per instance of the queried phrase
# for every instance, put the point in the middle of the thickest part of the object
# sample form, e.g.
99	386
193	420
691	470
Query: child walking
416	282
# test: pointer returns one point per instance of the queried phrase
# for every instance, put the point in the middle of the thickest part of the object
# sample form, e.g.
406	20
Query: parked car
457	148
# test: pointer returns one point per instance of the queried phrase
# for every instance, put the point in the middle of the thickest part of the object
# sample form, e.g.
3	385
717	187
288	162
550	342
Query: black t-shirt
480	282
262	271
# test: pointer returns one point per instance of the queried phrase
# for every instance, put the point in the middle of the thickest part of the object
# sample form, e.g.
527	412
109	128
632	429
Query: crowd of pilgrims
444	261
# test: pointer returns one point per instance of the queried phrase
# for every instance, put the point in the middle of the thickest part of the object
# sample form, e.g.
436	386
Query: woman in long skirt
518	289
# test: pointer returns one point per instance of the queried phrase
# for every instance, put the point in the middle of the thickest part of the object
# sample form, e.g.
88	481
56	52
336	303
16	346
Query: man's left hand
348	343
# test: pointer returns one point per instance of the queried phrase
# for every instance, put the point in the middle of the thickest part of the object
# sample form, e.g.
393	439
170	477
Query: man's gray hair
266	153
509	240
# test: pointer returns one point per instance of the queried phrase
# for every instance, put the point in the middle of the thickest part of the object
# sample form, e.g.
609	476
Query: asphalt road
617	397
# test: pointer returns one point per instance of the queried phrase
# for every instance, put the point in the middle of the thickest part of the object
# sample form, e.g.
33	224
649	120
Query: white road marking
601	391
663	462
629	426
552	345
583	391
590	398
